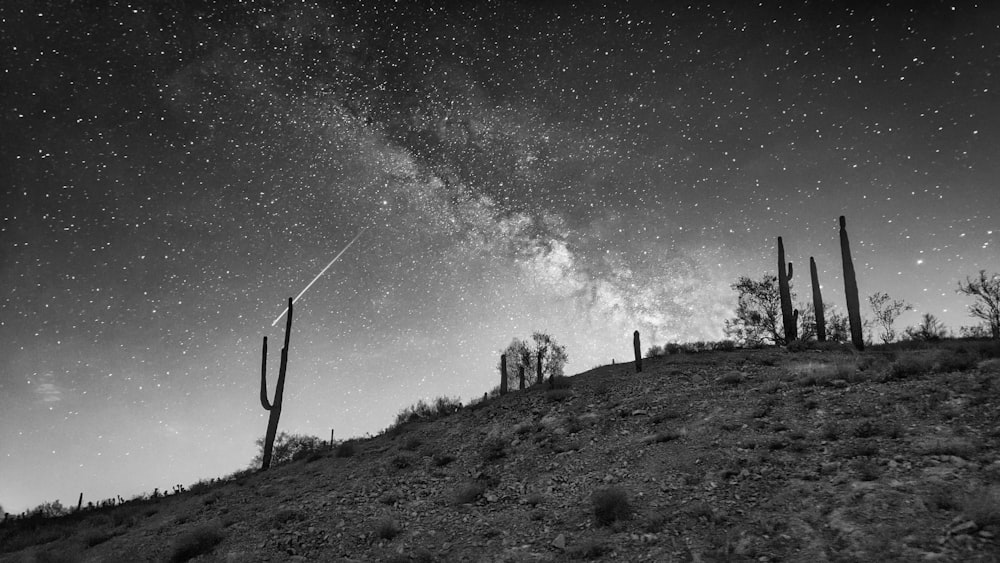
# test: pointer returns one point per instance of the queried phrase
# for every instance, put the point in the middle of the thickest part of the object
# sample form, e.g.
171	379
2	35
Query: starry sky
172	172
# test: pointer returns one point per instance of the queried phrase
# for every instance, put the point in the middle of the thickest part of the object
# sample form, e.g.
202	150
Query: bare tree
929	329
986	291
887	310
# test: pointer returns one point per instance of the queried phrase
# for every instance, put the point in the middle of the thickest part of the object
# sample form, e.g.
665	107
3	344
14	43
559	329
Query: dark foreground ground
725	456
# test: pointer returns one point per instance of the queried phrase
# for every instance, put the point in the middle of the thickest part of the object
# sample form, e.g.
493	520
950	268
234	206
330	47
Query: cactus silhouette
788	318
817	302
638	353
520	377
279	390
851	288
503	374
538	366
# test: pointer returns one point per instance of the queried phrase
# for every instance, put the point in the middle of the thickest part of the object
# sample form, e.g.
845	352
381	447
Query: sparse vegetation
610	505
200	541
386	528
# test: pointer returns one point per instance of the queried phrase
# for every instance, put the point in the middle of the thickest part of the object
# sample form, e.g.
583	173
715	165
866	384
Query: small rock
559	542
964	527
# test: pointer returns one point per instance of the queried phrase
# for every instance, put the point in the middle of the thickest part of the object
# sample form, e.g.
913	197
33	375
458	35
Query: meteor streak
321	272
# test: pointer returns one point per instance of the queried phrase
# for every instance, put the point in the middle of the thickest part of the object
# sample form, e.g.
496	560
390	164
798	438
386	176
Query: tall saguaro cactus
638	352
538	366
788	316
503	374
851	288
279	391
817	302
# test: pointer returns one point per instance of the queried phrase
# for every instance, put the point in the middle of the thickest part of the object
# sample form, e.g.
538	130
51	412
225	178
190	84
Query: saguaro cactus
520	377
503	374
538	366
279	390
788	317
638	351
817	302
851	288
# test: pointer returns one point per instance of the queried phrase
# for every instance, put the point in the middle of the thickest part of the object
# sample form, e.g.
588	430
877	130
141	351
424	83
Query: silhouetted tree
287	447
887	310
986	291
525	354
929	329
757	312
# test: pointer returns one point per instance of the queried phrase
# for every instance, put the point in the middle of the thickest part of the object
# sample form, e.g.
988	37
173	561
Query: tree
524	354
887	310
838	327
757	312
287	447
929	329
986	291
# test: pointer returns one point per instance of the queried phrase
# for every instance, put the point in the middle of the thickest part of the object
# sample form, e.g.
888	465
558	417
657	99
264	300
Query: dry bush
196	542
387	528
610	505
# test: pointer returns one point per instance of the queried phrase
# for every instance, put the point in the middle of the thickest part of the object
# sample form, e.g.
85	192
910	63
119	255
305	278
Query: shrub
654	351
731	378
493	447
910	365
440	460
556	395
412	443
387	528
345	449
610	505
867	469
725	345
197	542
983	507
469	493
866	429
948	361
402	461
672	348
589	549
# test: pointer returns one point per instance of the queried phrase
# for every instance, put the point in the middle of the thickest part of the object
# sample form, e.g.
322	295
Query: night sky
173	171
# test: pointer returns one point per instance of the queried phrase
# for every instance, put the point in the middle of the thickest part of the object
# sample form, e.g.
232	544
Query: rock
559	542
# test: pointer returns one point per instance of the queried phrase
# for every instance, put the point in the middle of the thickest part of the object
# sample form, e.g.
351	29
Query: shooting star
321	272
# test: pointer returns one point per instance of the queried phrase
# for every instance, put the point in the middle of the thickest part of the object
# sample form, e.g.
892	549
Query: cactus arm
263	379
789	270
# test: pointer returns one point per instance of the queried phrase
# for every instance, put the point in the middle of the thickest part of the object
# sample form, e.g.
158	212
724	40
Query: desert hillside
764	455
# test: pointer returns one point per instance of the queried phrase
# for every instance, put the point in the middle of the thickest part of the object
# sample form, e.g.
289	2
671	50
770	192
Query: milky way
173	174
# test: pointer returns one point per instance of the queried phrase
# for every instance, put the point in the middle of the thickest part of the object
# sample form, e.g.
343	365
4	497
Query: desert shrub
654	351
861	449
983	507
867	469
725	345
866	429
402	460
672	348
345	449
412	443
440	460
556	395
493	447
958	360
663	415
771	387
909	365
588	549
561	382
956	447
666	436
830	431
286	516
196	542
990	366
731	378
818	373
387	528
610	505
468	493
797	346
97	537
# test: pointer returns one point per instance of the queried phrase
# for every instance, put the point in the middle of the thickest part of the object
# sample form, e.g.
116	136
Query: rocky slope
740	456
